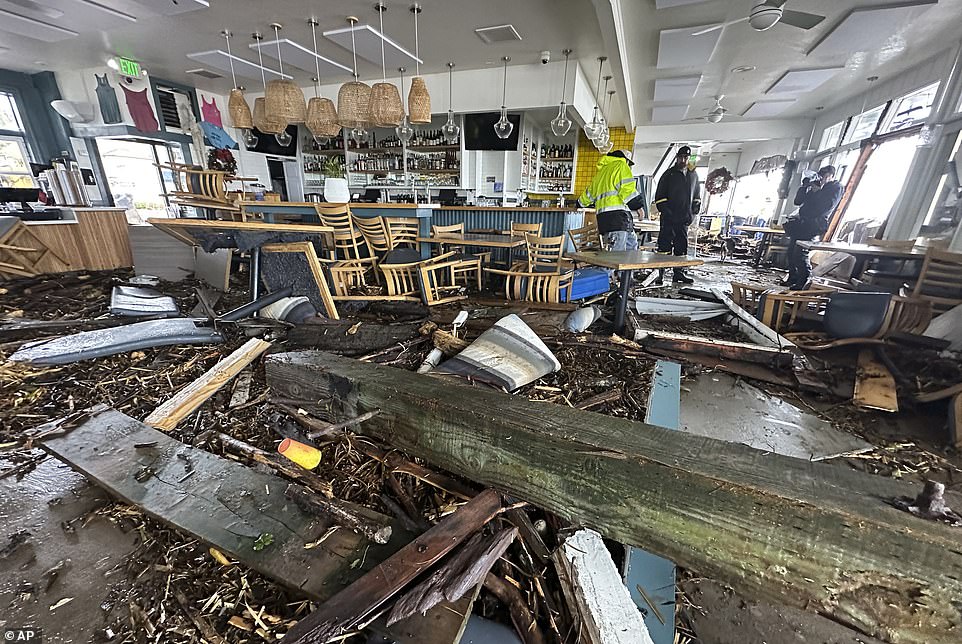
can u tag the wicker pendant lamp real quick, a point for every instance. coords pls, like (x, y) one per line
(419, 101)
(386, 108)
(237, 107)
(321, 115)
(267, 124)
(285, 100)
(354, 98)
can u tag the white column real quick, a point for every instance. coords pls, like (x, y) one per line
(906, 216)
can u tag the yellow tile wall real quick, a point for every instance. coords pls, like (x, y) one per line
(588, 158)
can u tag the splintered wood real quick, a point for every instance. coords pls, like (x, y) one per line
(191, 397)
(874, 384)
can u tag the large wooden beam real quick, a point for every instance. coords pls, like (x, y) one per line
(815, 535)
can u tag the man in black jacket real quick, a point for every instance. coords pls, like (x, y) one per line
(818, 199)
(677, 201)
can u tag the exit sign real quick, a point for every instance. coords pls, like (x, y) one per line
(129, 67)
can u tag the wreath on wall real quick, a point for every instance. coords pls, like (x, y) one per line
(718, 181)
(221, 159)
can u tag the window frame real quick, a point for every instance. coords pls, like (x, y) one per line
(885, 127)
(841, 125)
(850, 133)
(25, 150)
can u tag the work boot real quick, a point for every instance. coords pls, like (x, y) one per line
(681, 278)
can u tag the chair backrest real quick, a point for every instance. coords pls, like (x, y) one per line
(402, 230)
(544, 253)
(525, 229)
(857, 315)
(457, 229)
(347, 238)
(747, 296)
(909, 315)
(940, 281)
(585, 238)
(374, 232)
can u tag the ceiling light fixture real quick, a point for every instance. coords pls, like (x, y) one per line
(595, 127)
(268, 124)
(743, 69)
(503, 128)
(404, 131)
(386, 109)
(283, 98)
(237, 107)
(321, 117)
(419, 100)
(451, 130)
(354, 99)
(561, 123)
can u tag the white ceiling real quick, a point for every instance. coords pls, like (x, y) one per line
(152, 32)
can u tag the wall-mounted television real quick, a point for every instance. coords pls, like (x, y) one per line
(267, 144)
(479, 133)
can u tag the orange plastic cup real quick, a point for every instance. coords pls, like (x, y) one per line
(304, 455)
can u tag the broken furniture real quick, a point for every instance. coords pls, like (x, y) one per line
(22, 254)
(863, 253)
(87, 345)
(625, 262)
(137, 302)
(350, 244)
(197, 187)
(654, 488)
(940, 280)
(885, 274)
(779, 309)
(408, 277)
(767, 233)
(298, 265)
(462, 253)
(585, 238)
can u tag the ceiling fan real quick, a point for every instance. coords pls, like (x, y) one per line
(768, 14)
(715, 114)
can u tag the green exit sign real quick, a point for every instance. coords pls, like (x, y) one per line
(129, 67)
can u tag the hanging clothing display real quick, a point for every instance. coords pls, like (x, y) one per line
(107, 97)
(210, 112)
(140, 110)
(217, 136)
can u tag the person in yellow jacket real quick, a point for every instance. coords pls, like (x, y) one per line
(615, 195)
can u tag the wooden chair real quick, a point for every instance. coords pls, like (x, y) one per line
(544, 254)
(471, 263)
(585, 238)
(349, 242)
(402, 231)
(940, 280)
(520, 230)
(197, 187)
(430, 280)
(904, 315)
(440, 279)
(780, 310)
(535, 287)
(22, 254)
(375, 235)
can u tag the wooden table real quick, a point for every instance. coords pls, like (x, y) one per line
(865, 252)
(627, 261)
(484, 240)
(766, 243)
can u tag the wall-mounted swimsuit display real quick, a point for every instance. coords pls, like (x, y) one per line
(107, 97)
(140, 110)
(210, 112)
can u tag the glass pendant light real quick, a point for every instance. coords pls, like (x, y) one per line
(451, 130)
(404, 131)
(503, 128)
(594, 127)
(250, 139)
(561, 123)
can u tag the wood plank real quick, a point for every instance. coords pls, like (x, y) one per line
(756, 330)
(744, 352)
(595, 592)
(219, 501)
(188, 399)
(874, 384)
(724, 510)
(349, 607)
(306, 249)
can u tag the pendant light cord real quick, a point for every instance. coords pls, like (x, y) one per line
(354, 50)
(260, 60)
(604, 106)
(230, 58)
(598, 86)
(564, 84)
(317, 63)
(380, 16)
(450, 85)
(417, 43)
(504, 85)
(277, 41)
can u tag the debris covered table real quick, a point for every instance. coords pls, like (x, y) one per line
(627, 261)
(865, 252)
(767, 234)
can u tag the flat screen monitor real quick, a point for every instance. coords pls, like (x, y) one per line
(267, 143)
(20, 195)
(479, 132)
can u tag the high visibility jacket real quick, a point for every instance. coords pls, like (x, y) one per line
(613, 192)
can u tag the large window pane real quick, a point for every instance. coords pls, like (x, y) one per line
(14, 164)
(831, 136)
(945, 212)
(9, 116)
(863, 125)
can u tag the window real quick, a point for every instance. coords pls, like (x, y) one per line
(863, 126)
(14, 160)
(831, 136)
(911, 109)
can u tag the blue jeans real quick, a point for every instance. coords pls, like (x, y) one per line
(618, 240)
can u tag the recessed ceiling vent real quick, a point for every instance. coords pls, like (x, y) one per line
(498, 33)
(206, 73)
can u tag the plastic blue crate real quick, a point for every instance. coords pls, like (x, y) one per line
(588, 282)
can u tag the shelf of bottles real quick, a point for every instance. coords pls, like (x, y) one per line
(315, 155)
(376, 160)
(556, 168)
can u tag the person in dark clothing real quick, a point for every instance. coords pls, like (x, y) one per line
(818, 198)
(677, 200)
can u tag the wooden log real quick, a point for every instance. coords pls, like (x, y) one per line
(594, 591)
(351, 338)
(449, 344)
(524, 621)
(352, 605)
(874, 384)
(319, 506)
(191, 397)
(741, 351)
(815, 535)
